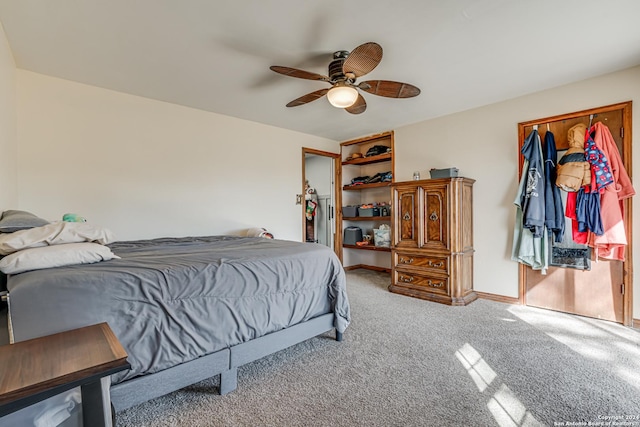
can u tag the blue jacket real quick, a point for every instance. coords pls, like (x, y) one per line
(533, 206)
(530, 242)
(554, 212)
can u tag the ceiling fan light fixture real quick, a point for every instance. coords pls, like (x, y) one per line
(341, 96)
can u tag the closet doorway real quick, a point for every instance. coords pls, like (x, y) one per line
(318, 196)
(603, 290)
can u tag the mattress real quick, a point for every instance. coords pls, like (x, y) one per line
(172, 300)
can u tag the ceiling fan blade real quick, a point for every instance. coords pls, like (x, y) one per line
(358, 107)
(305, 99)
(301, 74)
(389, 89)
(363, 59)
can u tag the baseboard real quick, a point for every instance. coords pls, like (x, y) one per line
(635, 323)
(498, 298)
(368, 267)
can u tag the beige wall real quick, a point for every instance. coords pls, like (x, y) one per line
(483, 144)
(145, 168)
(8, 187)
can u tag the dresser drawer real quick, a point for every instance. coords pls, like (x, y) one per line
(422, 282)
(430, 262)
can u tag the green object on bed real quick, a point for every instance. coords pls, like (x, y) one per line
(71, 217)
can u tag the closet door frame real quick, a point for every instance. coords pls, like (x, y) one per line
(625, 107)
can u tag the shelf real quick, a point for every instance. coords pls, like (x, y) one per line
(366, 218)
(386, 157)
(368, 248)
(370, 168)
(365, 186)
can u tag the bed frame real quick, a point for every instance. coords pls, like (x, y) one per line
(224, 363)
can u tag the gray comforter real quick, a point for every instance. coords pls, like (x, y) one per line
(172, 300)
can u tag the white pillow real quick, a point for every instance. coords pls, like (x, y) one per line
(55, 256)
(56, 233)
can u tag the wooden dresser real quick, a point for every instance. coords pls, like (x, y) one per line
(432, 243)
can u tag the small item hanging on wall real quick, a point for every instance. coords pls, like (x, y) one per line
(310, 212)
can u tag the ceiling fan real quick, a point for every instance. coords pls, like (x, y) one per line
(345, 68)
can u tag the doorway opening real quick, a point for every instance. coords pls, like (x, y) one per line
(318, 196)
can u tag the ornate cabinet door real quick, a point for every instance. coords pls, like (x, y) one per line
(406, 232)
(435, 231)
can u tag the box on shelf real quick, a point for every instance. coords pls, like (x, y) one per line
(350, 211)
(444, 173)
(375, 211)
(352, 235)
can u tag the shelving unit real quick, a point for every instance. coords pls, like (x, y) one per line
(367, 256)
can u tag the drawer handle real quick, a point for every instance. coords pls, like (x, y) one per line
(436, 264)
(435, 284)
(404, 260)
(406, 216)
(406, 279)
(433, 216)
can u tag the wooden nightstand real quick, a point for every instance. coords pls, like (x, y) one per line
(36, 369)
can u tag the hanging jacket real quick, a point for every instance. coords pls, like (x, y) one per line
(554, 214)
(530, 242)
(533, 208)
(600, 172)
(611, 245)
(573, 170)
(588, 216)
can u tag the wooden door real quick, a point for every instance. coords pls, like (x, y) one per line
(600, 292)
(407, 220)
(596, 293)
(435, 233)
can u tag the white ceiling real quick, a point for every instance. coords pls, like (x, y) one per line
(215, 55)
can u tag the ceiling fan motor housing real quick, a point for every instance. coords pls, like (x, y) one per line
(335, 67)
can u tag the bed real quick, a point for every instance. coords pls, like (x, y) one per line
(186, 309)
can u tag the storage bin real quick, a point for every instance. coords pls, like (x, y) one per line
(444, 173)
(352, 235)
(369, 211)
(61, 410)
(349, 211)
(382, 236)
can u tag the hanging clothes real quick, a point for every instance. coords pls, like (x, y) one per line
(600, 171)
(533, 207)
(587, 216)
(611, 244)
(530, 242)
(567, 253)
(573, 170)
(554, 215)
